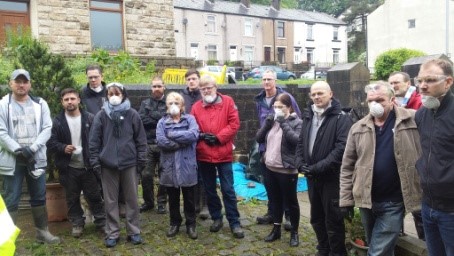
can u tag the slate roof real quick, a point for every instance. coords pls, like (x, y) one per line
(255, 10)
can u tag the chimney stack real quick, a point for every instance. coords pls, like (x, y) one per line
(276, 4)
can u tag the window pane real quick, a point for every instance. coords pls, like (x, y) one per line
(13, 6)
(248, 27)
(309, 32)
(248, 53)
(106, 30)
(211, 24)
(110, 5)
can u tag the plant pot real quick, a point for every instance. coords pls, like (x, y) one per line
(357, 249)
(57, 210)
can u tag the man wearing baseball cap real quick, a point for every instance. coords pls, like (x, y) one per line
(25, 127)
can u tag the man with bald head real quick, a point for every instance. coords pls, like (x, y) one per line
(318, 156)
(378, 172)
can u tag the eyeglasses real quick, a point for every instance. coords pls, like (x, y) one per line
(208, 88)
(157, 86)
(93, 77)
(173, 103)
(429, 80)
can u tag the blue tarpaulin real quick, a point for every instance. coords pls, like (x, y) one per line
(258, 190)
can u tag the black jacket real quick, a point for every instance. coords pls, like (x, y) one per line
(329, 144)
(151, 110)
(190, 98)
(61, 137)
(291, 129)
(436, 164)
(91, 100)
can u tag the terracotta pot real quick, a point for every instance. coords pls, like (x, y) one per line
(359, 250)
(57, 210)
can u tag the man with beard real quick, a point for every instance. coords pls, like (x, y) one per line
(435, 121)
(69, 143)
(151, 110)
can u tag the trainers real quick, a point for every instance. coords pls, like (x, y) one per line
(216, 226)
(135, 239)
(162, 209)
(265, 219)
(111, 242)
(44, 236)
(192, 233)
(77, 231)
(238, 232)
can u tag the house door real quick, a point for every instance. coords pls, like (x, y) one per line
(195, 51)
(233, 53)
(267, 54)
(12, 20)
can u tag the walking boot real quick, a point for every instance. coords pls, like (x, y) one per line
(265, 219)
(275, 233)
(294, 239)
(204, 213)
(192, 233)
(40, 218)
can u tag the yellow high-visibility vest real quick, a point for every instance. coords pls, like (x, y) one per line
(9, 231)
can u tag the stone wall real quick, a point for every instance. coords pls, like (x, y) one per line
(65, 26)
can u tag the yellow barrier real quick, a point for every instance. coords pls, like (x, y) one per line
(176, 75)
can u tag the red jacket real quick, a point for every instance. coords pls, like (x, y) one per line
(415, 101)
(222, 120)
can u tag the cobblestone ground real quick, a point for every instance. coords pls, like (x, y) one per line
(154, 227)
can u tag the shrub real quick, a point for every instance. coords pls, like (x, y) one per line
(392, 60)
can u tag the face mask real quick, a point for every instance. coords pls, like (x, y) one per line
(174, 110)
(430, 102)
(97, 89)
(376, 109)
(317, 109)
(278, 112)
(115, 100)
(209, 99)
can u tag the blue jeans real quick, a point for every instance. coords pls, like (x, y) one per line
(12, 188)
(439, 230)
(225, 173)
(382, 225)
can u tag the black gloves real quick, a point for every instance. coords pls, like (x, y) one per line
(27, 154)
(209, 139)
(269, 120)
(280, 119)
(306, 170)
(347, 212)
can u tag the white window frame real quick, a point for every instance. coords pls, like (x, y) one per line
(310, 32)
(212, 52)
(211, 24)
(248, 27)
(280, 29)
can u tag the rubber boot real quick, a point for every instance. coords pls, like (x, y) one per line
(275, 233)
(204, 213)
(13, 215)
(42, 232)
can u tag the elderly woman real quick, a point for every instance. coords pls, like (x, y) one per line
(280, 133)
(118, 150)
(177, 134)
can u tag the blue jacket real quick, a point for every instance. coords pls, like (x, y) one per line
(264, 110)
(177, 142)
(436, 164)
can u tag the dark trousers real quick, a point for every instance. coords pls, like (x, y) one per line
(326, 219)
(188, 205)
(148, 175)
(267, 183)
(74, 181)
(283, 190)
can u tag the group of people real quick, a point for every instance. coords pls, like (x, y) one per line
(392, 161)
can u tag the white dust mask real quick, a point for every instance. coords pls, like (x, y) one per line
(115, 100)
(430, 102)
(174, 110)
(278, 113)
(376, 109)
(209, 99)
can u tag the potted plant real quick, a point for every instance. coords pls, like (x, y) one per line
(356, 234)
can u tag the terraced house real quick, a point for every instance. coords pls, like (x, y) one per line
(230, 31)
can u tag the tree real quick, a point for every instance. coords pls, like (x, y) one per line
(333, 7)
(392, 60)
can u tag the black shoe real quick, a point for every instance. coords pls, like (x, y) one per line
(146, 207)
(274, 234)
(237, 232)
(162, 209)
(216, 226)
(192, 233)
(265, 219)
(109, 242)
(135, 239)
(173, 231)
(294, 239)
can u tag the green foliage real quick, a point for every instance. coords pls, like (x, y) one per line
(333, 7)
(392, 60)
(212, 62)
(354, 228)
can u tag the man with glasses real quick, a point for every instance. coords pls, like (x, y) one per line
(435, 121)
(218, 120)
(378, 172)
(94, 94)
(318, 156)
(264, 105)
(151, 110)
(191, 94)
